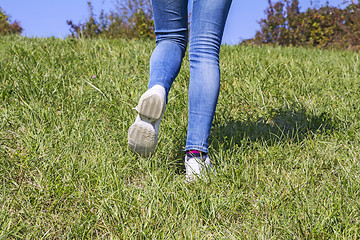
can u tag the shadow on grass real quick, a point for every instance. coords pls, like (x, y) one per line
(292, 124)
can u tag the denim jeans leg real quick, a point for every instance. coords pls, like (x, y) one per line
(206, 30)
(171, 29)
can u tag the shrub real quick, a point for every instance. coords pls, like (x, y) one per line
(324, 27)
(8, 27)
(131, 20)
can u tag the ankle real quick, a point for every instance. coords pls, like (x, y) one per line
(195, 153)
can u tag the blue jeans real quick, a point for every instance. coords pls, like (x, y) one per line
(206, 29)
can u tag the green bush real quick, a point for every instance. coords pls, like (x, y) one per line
(8, 27)
(324, 27)
(130, 21)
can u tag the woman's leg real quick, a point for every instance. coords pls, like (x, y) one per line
(171, 29)
(171, 37)
(206, 30)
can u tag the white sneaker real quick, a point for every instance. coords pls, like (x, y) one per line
(197, 165)
(143, 133)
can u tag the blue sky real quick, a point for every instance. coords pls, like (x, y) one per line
(46, 18)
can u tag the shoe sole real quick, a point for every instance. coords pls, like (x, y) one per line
(151, 107)
(142, 137)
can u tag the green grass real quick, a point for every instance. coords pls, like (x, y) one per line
(285, 142)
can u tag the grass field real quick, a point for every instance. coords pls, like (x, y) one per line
(285, 142)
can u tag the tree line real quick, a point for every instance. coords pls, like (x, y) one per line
(130, 19)
(284, 24)
(326, 27)
(7, 26)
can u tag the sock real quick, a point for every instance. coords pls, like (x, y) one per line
(195, 153)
